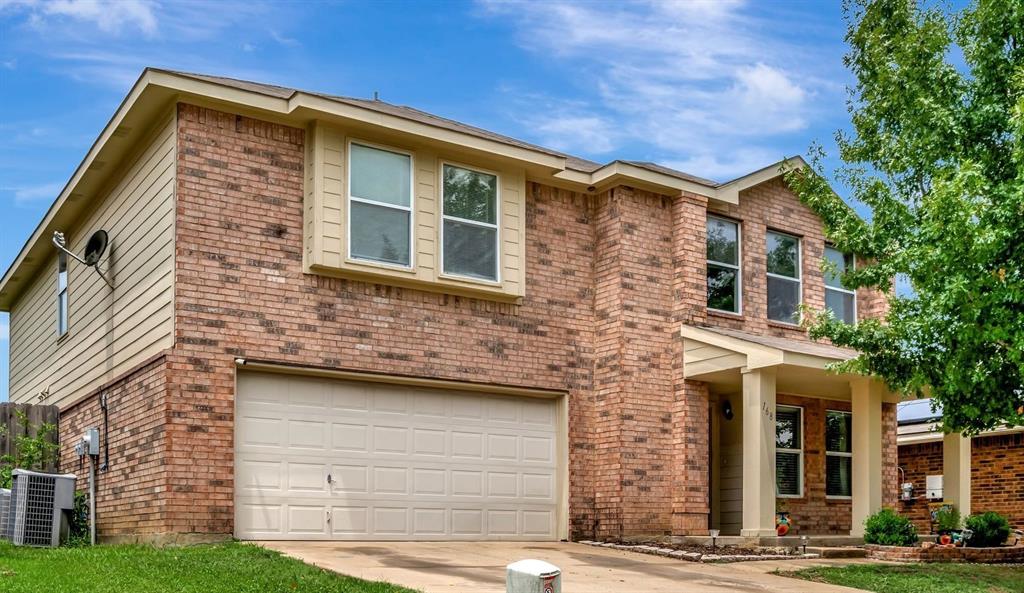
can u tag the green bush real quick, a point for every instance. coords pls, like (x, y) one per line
(888, 528)
(990, 529)
(947, 518)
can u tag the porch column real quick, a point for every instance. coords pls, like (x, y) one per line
(867, 451)
(758, 452)
(956, 471)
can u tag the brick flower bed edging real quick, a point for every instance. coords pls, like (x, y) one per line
(1003, 555)
(696, 556)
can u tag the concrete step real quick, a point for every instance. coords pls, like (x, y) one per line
(843, 552)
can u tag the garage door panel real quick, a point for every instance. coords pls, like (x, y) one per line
(404, 462)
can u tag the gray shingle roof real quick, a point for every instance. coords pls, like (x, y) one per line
(413, 114)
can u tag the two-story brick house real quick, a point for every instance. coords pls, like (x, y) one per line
(341, 318)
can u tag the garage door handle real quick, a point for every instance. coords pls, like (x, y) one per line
(329, 479)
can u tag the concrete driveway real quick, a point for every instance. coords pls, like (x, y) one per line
(435, 567)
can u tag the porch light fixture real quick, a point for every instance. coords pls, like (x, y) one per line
(727, 410)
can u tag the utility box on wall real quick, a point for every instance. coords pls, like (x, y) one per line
(933, 487)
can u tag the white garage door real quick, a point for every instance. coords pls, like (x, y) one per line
(328, 459)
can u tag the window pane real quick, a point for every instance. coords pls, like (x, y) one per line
(842, 263)
(722, 288)
(837, 432)
(470, 250)
(470, 194)
(838, 471)
(783, 299)
(787, 473)
(62, 313)
(62, 271)
(380, 233)
(782, 255)
(841, 305)
(380, 175)
(787, 428)
(722, 241)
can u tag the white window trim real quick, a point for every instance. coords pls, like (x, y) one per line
(853, 262)
(799, 452)
(738, 266)
(410, 208)
(496, 226)
(837, 454)
(62, 296)
(799, 275)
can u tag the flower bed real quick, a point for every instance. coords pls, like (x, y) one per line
(933, 553)
(694, 553)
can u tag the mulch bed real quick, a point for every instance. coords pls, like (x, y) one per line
(701, 553)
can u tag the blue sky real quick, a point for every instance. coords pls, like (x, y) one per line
(715, 88)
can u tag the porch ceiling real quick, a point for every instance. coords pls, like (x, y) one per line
(718, 355)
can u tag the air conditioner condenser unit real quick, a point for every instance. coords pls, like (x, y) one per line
(40, 507)
(5, 510)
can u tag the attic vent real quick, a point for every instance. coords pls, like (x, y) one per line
(121, 132)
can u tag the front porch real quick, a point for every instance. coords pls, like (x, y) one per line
(765, 390)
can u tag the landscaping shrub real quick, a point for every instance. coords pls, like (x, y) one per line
(990, 529)
(30, 452)
(947, 518)
(888, 528)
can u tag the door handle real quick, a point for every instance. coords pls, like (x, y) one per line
(329, 479)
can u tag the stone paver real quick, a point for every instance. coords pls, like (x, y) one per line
(435, 567)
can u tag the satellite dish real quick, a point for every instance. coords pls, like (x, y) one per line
(95, 248)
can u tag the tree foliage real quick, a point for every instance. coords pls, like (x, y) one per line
(936, 152)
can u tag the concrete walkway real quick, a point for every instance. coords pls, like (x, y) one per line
(436, 567)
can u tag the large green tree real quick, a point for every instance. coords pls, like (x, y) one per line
(936, 152)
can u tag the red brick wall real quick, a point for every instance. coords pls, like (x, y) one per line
(131, 499)
(997, 477)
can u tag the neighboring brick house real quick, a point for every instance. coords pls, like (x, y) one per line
(341, 318)
(996, 458)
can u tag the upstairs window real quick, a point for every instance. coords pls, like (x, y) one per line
(784, 288)
(723, 255)
(838, 453)
(62, 294)
(379, 205)
(839, 299)
(789, 451)
(469, 230)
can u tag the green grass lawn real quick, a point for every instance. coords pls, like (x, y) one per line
(220, 568)
(919, 578)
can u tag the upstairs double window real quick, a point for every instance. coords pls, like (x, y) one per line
(381, 215)
(723, 254)
(784, 278)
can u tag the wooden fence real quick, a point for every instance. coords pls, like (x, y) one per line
(37, 416)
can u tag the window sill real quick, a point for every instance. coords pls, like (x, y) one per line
(376, 265)
(790, 496)
(784, 325)
(726, 315)
(412, 279)
(837, 498)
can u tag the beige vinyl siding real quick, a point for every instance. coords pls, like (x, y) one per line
(109, 330)
(326, 226)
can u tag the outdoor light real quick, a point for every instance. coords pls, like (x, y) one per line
(714, 537)
(727, 410)
(803, 540)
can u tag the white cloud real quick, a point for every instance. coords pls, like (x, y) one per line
(34, 193)
(702, 83)
(109, 16)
